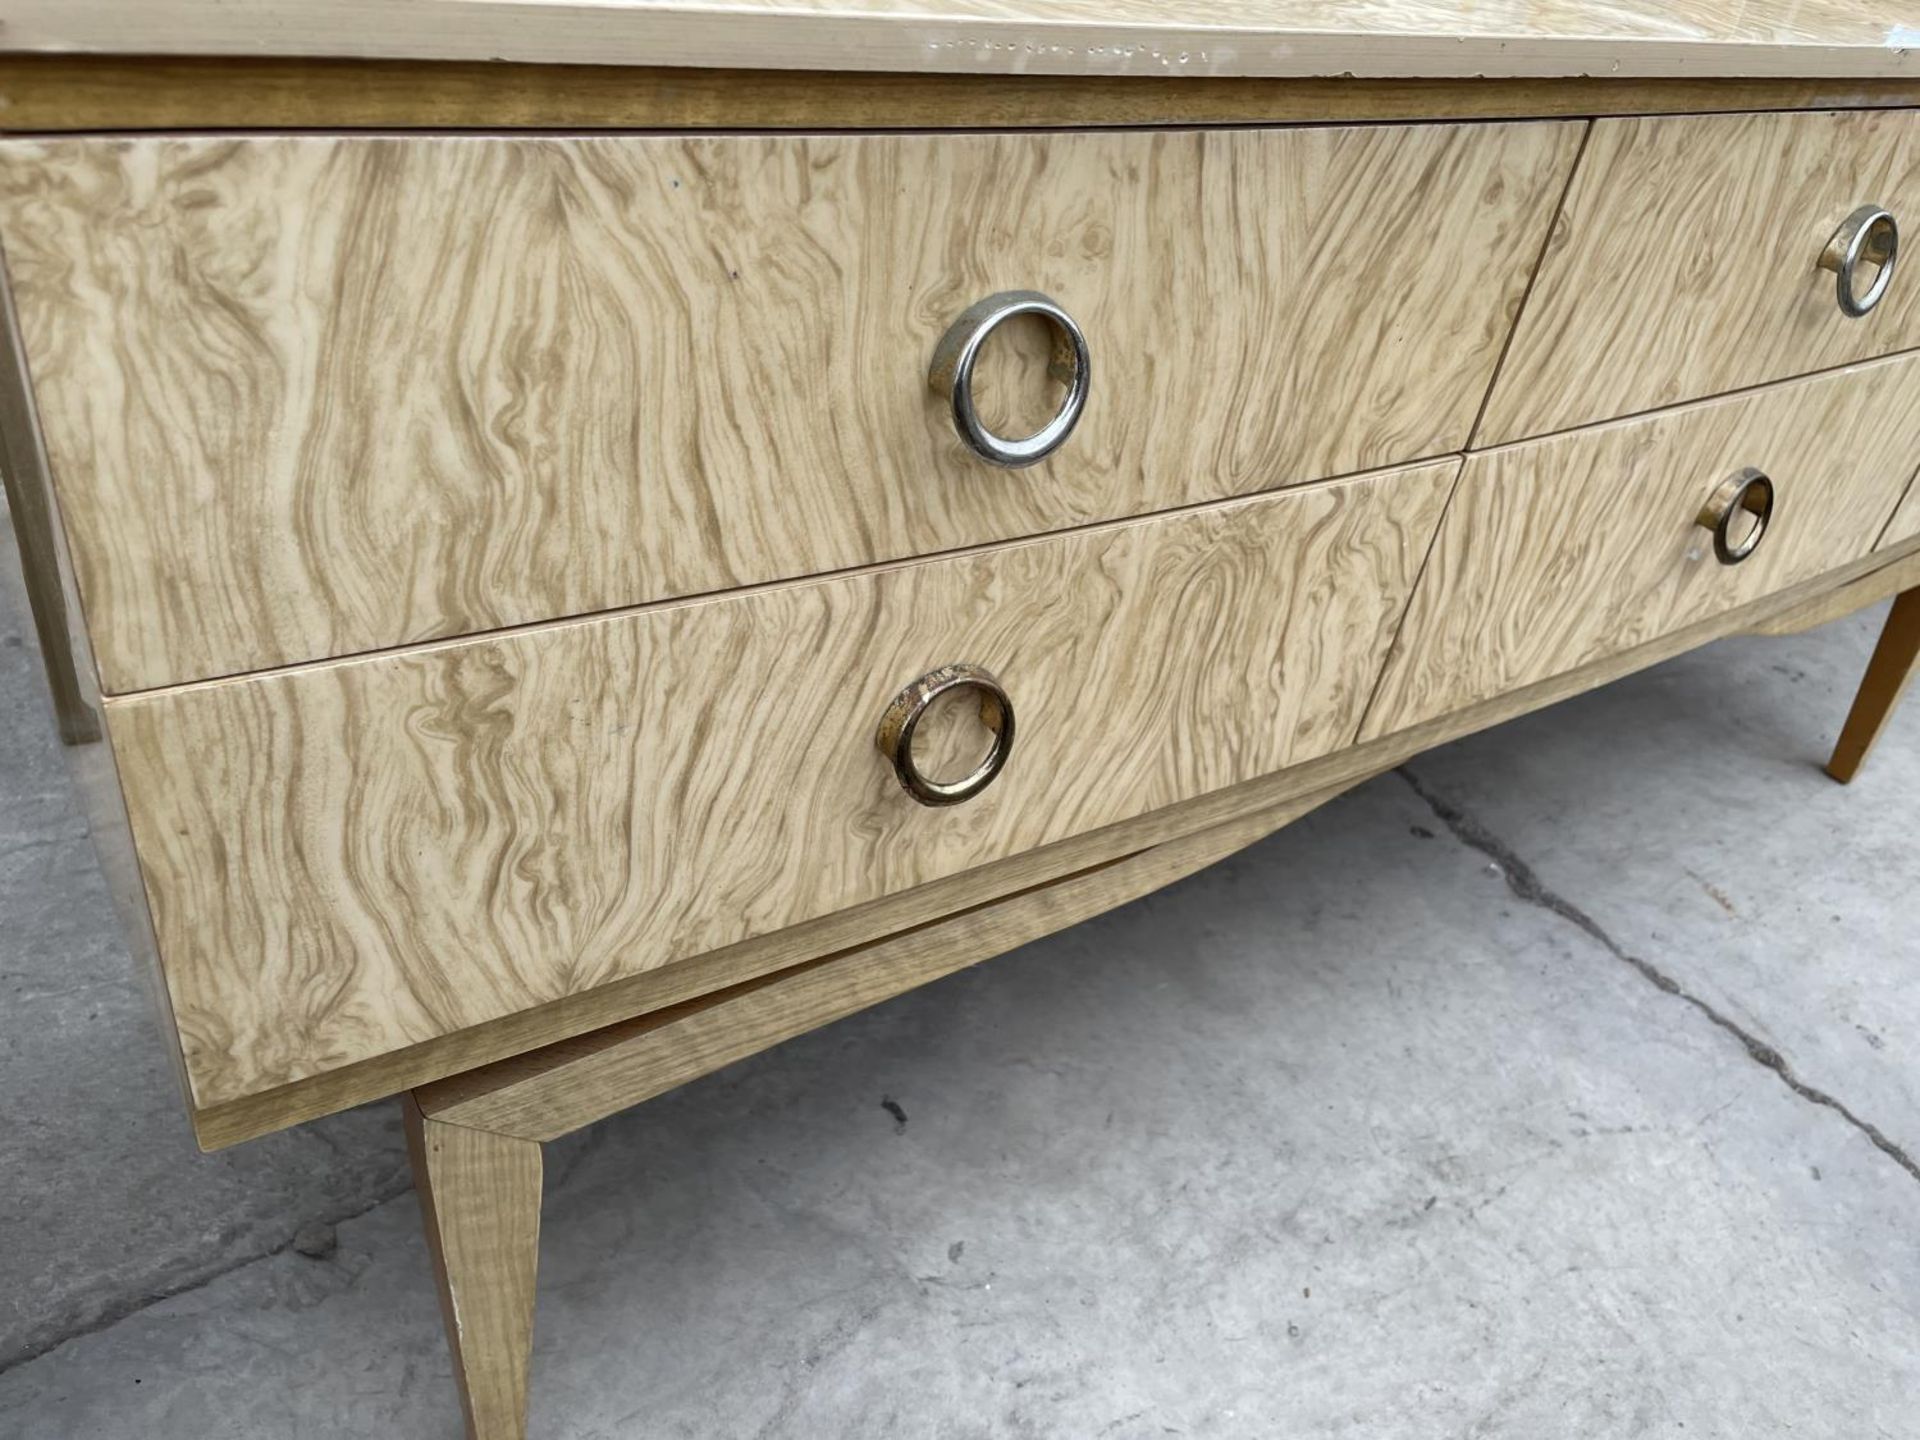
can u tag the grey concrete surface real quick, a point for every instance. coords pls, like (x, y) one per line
(1563, 1085)
(104, 1202)
(1687, 816)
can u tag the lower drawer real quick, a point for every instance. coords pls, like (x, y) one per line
(1905, 524)
(1559, 552)
(347, 858)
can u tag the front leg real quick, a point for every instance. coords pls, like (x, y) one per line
(1893, 664)
(480, 1197)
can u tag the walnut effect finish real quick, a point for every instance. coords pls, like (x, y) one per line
(368, 854)
(298, 405)
(1558, 552)
(1684, 265)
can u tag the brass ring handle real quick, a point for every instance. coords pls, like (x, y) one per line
(1751, 493)
(903, 718)
(1871, 234)
(951, 376)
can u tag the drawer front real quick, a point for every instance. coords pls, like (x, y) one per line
(1686, 264)
(1558, 552)
(308, 396)
(1906, 520)
(370, 853)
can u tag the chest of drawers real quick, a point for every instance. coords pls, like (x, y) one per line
(582, 572)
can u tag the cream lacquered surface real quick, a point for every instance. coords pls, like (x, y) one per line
(1072, 37)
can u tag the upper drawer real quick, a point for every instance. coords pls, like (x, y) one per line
(1559, 552)
(310, 396)
(370, 853)
(1686, 264)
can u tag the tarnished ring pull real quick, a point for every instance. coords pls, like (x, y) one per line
(1869, 234)
(951, 376)
(903, 718)
(1748, 493)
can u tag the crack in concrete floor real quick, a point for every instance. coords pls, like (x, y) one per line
(194, 1279)
(1528, 887)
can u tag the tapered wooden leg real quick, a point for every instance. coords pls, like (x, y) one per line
(23, 476)
(1894, 660)
(480, 1197)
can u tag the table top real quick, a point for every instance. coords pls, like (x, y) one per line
(1376, 38)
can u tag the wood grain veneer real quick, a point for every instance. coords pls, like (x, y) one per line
(1848, 595)
(1557, 552)
(1683, 265)
(548, 1093)
(1905, 524)
(1896, 660)
(1112, 37)
(368, 854)
(50, 94)
(480, 1197)
(299, 404)
(1815, 602)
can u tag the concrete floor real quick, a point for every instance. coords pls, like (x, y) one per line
(1564, 1084)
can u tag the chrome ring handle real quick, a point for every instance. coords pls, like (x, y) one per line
(951, 376)
(910, 705)
(1751, 493)
(1869, 234)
